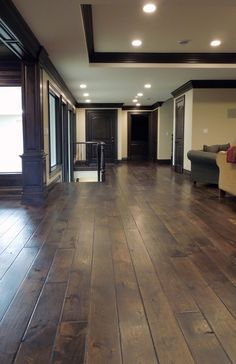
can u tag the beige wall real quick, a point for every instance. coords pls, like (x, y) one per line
(210, 118)
(165, 130)
(49, 178)
(211, 122)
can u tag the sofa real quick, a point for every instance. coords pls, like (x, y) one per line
(227, 174)
(204, 168)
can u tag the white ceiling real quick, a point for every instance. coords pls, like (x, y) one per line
(58, 26)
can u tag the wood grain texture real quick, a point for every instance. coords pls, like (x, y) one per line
(138, 269)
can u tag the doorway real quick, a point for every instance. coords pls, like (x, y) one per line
(142, 136)
(101, 125)
(179, 134)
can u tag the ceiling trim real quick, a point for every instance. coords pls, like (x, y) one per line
(203, 84)
(145, 57)
(141, 108)
(19, 38)
(99, 105)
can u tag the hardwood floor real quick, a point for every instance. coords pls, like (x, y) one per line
(140, 269)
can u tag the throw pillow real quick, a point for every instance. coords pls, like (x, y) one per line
(211, 148)
(224, 147)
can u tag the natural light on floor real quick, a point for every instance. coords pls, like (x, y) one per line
(11, 134)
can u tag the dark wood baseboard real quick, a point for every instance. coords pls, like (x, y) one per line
(187, 172)
(11, 179)
(164, 161)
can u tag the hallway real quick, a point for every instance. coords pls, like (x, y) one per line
(140, 269)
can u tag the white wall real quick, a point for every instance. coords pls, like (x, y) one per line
(165, 130)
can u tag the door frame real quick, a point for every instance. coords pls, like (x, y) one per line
(180, 100)
(115, 136)
(152, 134)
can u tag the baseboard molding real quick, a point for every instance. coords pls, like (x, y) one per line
(11, 179)
(52, 184)
(164, 161)
(188, 173)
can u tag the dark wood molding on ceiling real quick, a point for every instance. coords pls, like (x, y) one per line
(157, 104)
(15, 33)
(99, 105)
(145, 108)
(203, 84)
(88, 27)
(126, 57)
(137, 108)
(18, 37)
(139, 57)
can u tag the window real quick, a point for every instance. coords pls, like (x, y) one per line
(11, 131)
(54, 131)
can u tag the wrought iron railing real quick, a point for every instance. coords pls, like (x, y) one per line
(91, 155)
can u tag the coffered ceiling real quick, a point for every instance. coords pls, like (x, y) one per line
(93, 45)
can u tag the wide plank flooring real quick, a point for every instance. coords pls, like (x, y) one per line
(140, 269)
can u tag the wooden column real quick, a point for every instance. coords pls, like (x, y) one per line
(33, 158)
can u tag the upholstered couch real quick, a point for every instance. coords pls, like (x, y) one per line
(227, 174)
(203, 167)
(203, 163)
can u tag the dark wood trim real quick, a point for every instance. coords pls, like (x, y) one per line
(145, 57)
(125, 57)
(33, 157)
(56, 96)
(164, 161)
(203, 84)
(150, 131)
(52, 184)
(18, 37)
(10, 179)
(157, 104)
(179, 141)
(15, 32)
(186, 172)
(10, 72)
(55, 170)
(99, 105)
(88, 27)
(47, 64)
(137, 108)
(143, 108)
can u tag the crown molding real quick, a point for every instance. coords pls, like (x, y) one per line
(145, 57)
(203, 84)
(99, 105)
(18, 37)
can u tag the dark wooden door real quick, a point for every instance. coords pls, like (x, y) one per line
(179, 134)
(101, 125)
(139, 136)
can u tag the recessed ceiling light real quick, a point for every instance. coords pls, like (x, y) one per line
(138, 104)
(149, 8)
(135, 100)
(87, 100)
(136, 43)
(83, 85)
(140, 94)
(215, 43)
(147, 85)
(86, 94)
